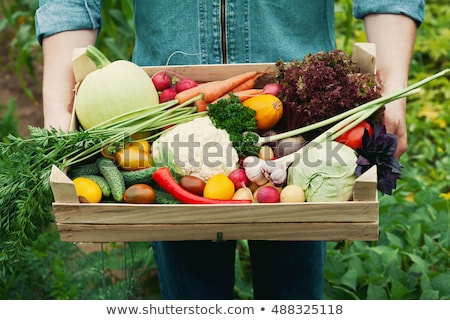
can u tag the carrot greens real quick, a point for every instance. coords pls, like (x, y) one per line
(25, 193)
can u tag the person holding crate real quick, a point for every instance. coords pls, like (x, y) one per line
(238, 31)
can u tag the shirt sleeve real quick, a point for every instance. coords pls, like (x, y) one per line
(411, 8)
(66, 15)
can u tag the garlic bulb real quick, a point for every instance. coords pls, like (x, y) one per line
(275, 171)
(252, 166)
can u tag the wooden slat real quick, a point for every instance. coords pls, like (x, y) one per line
(349, 211)
(364, 54)
(262, 231)
(212, 72)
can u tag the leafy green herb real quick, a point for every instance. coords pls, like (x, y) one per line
(231, 115)
(379, 150)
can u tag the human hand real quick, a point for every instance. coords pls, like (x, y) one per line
(395, 122)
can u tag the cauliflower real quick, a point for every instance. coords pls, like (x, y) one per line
(195, 148)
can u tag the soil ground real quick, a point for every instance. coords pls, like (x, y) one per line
(28, 111)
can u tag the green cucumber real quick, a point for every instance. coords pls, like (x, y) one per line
(112, 175)
(83, 169)
(163, 197)
(101, 181)
(138, 176)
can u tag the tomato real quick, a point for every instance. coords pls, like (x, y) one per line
(139, 194)
(133, 158)
(193, 184)
(88, 191)
(353, 137)
(144, 145)
(219, 187)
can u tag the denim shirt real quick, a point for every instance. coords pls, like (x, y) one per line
(219, 31)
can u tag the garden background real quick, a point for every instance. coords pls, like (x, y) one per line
(411, 259)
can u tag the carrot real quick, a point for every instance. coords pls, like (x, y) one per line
(215, 89)
(201, 105)
(249, 84)
(242, 95)
(185, 95)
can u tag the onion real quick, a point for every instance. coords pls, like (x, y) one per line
(272, 88)
(243, 193)
(288, 145)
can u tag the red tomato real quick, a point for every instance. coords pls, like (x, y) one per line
(139, 193)
(353, 137)
(192, 184)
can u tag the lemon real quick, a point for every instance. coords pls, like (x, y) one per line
(87, 190)
(219, 187)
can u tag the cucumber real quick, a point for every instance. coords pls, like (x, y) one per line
(162, 197)
(101, 181)
(112, 175)
(83, 169)
(138, 176)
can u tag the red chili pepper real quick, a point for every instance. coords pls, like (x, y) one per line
(165, 180)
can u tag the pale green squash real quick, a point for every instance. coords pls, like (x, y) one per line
(111, 90)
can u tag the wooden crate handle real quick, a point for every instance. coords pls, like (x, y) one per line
(365, 188)
(62, 187)
(364, 55)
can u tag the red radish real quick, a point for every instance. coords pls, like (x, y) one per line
(184, 84)
(268, 194)
(239, 178)
(161, 80)
(167, 95)
(272, 88)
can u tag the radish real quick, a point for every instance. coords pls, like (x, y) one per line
(161, 80)
(167, 95)
(268, 194)
(272, 88)
(184, 84)
(239, 178)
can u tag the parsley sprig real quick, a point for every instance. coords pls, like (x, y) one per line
(231, 115)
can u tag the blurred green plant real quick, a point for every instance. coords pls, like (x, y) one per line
(411, 258)
(8, 119)
(17, 29)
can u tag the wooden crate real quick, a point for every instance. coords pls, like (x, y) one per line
(108, 222)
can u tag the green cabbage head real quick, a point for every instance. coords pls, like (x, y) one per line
(326, 172)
